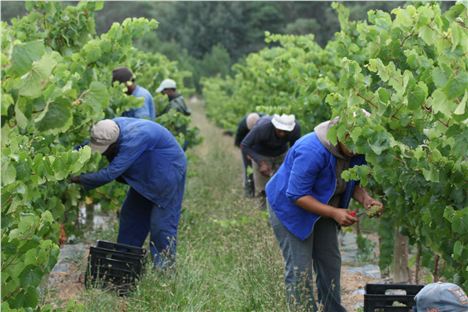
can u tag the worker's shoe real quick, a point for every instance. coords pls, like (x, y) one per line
(262, 200)
(249, 189)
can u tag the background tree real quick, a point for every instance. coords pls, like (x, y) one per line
(195, 33)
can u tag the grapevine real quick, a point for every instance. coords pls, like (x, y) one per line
(56, 74)
(409, 69)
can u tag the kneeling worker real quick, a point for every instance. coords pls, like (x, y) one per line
(147, 157)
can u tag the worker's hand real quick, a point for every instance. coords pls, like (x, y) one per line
(374, 208)
(74, 179)
(344, 217)
(265, 168)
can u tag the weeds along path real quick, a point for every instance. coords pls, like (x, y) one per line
(227, 257)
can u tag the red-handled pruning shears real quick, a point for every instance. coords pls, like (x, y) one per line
(356, 214)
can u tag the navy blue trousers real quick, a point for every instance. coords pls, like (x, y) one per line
(139, 216)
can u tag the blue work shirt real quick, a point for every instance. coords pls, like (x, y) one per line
(309, 169)
(147, 110)
(149, 159)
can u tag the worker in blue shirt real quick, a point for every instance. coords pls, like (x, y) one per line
(147, 157)
(305, 199)
(125, 76)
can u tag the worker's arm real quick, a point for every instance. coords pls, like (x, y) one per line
(129, 152)
(340, 215)
(360, 194)
(306, 169)
(251, 139)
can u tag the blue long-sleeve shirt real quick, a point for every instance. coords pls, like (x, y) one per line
(309, 169)
(149, 159)
(147, 110)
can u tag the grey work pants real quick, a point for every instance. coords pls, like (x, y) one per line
(320, 251)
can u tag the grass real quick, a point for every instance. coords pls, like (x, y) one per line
(227, 257)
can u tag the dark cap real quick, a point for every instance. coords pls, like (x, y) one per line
(122, 75)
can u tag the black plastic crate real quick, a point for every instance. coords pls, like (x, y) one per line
(114, 266)
(390, 297)
(121, 247)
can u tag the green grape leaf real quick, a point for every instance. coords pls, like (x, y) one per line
(440, 103)
(428, 35)
(60, 167)
(97, 96)
(439, 77)
(418, 153)
(7, 100)
(379, 144)
(20, 117)
(92, 51)
(376, 65)
(459, 36)
(23, 56)
(30, 296)
(455, 11)
(8, 173)
(416, 97)
(403, 18)
(431, 174)
(456, 86)
(384, 95)
(84, 156)
(36, 79)
(460, 222)
(457, 249)
(56, 116)
(460, 110)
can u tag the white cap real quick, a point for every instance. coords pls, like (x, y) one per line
(103, 134)
(166, 84)
(284, 122)
(251, 120)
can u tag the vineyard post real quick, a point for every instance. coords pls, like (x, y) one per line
(400, 258)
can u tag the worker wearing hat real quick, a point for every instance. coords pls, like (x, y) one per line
(266, 144)
(306, 198)
(125, 76)
(147, 157)
(176, 101)
(243, 128)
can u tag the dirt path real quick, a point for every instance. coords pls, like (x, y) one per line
(208, 130)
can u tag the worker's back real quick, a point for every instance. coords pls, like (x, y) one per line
(158, 161)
